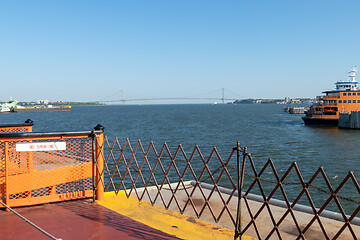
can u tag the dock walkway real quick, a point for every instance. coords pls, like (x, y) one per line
(75, 220)
(287, 228)
(117, 217)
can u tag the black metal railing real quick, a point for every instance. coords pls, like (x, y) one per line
(192, 182)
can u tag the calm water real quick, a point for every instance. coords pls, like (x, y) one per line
(266, 130)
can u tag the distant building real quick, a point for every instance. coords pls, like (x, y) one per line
(296, 101)
(287, 99)
(46, 102)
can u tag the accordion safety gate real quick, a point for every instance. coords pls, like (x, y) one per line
(38, 168)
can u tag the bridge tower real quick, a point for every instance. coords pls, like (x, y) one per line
(223, 96)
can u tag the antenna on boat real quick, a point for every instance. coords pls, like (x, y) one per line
(352, 74)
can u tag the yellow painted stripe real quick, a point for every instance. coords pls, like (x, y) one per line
(168, 221)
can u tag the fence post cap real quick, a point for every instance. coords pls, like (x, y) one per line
(99, 127)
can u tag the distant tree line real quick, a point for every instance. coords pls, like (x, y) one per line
(257, 101)
(271, 101)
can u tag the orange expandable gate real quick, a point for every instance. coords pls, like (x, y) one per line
(40, 168)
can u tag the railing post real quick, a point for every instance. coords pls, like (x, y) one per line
(30, 122)
(240, 175)
(6, 173)
(99, 168)
(30, 154)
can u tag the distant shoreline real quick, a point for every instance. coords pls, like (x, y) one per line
(61, 103)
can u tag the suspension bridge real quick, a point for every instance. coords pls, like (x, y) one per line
(220, 95)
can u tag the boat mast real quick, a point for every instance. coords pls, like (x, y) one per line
(352, 74)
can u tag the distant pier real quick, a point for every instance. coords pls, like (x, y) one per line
(295, 110)
(349, 120)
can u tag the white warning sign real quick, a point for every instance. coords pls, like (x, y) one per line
(43, 146)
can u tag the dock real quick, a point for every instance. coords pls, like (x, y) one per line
(349, 120)
(119, 217)
(114, 218)
(295, 110)
(287, 228)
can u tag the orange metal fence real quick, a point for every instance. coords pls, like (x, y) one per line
(39, 168)
(17, 128)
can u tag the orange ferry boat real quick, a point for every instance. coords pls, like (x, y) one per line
(345, 98)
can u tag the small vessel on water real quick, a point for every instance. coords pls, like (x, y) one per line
(12, 106)
(345, 98)
(41, 108)
(8, 106)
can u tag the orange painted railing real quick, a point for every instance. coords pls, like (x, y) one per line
(17, 128)
(40, 168)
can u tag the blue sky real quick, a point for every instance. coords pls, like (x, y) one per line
(88, 50)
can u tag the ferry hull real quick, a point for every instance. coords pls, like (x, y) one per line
(320, 121)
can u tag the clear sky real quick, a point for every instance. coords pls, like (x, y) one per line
(88, 50)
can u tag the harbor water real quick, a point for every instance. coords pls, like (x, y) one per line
(265, 129)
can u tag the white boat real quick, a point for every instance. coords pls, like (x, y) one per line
(8, 107)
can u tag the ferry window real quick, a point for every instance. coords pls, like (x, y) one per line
(358, 101)
(349, 94)
(344, 94)
(358, 93)
(340, 101)
(344, 101)
(354, 93)
(354, 101)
